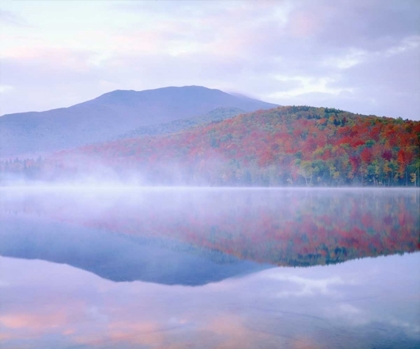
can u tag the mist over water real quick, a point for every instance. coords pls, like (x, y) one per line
(277, 226)
(125, 266)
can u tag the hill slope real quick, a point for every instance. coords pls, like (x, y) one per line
(110, 115)
(215, 115)
(281, 146)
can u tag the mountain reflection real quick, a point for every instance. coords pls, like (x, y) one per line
(196, 236)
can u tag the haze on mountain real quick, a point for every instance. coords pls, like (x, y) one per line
(111, 115)
(215, 115)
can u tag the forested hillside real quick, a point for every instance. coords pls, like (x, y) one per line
(302, 146)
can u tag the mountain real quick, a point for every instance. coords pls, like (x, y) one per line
(215, 115)
(111, 115)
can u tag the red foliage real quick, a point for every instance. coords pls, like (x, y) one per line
(366, 155)
(248, 145)
(387, 155)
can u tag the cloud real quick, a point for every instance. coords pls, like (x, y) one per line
(349, 314)
(308, 287)
(5, 88)
(370, 25)
(357, 56)
(10, 18)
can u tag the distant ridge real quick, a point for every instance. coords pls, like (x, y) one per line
(215, 115)
(110, 115)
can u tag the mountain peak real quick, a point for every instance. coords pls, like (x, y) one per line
(111, 114)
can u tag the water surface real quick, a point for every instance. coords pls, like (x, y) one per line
(209, 268)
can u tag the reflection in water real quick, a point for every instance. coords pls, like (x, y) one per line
(228, 243)
(117, 257)
(47, 305)
(280, 227)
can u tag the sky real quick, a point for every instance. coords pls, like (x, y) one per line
(361, 56)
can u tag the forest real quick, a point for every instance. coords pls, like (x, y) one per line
(284, 146)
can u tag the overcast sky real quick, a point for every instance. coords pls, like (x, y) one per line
(361, 56)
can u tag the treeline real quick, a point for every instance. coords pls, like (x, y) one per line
(285, 146)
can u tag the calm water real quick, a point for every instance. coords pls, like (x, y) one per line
(209, 268)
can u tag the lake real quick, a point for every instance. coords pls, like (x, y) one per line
(129, 267)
